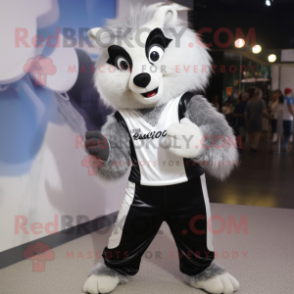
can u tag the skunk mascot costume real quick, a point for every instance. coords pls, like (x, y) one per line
(150, 64)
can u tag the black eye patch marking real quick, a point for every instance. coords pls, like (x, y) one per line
(156, 37)
(115, 52)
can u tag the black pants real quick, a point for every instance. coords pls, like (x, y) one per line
(287, 125)
(183, 206)
(274, 125)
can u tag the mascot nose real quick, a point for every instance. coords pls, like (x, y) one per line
(142, 80)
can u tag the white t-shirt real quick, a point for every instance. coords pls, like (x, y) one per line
(158, 166)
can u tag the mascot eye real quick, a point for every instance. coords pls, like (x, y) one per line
(155, 54)
(122, 64)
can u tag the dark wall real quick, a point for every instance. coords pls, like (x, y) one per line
(216, 80)
(273, 25)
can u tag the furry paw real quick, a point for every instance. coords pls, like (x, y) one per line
(100, 284)
(103, 280)
(96, 144)
(222, 283)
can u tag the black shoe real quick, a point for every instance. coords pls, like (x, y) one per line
(253, 151)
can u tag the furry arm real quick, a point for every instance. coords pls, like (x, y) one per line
(219, 154)
(118, 160)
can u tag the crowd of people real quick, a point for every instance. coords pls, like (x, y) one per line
(246, 116)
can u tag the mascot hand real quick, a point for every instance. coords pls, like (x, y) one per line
(185, 139)
(97, 144)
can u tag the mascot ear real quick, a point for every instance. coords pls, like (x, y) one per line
(164, 15)
(93, 33)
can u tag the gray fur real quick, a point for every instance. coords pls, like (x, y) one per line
(101, 269)
(219, 162)
(208, 273)
(152, 115)
(119, 157)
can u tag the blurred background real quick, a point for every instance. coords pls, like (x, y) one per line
(48, 101)
(251, 44)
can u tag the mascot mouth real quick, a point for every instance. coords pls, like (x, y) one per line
(150, 94)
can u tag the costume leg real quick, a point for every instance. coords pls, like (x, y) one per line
(188, 212)
(138, 221)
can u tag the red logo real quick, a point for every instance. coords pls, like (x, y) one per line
(40, 67)
(92, 163)
(39, 253)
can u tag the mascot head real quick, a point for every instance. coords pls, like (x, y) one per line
(148, 58)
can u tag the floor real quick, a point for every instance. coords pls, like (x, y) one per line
(265, 179)
(261, 259)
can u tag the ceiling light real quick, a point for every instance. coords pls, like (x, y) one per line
(272, 58)
(268, 3)
(239, 43)
(256, 49)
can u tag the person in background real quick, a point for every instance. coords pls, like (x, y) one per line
(288, 114)
(227, 108)
(239, 114)
(254, 111)
(215, 102)
(275, 107)
(227, 111)
(250, 91)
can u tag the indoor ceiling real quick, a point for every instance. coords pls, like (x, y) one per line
(271, 27)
